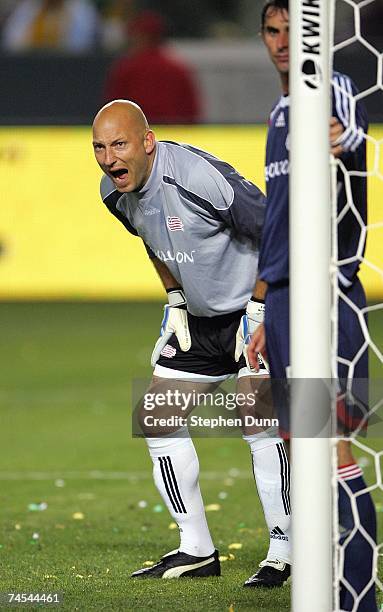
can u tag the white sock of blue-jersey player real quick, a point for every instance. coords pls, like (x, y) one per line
(176, 473)
(272, 477)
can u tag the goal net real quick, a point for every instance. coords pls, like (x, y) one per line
(356, 50)
(337, 47)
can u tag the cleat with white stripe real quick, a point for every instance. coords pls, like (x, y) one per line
(177, 564)
(273, 573)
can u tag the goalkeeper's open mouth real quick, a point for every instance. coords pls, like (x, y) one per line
(119, 176)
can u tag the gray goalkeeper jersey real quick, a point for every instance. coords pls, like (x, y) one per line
(200, 217)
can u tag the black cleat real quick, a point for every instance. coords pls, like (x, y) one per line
(273, 573)
(178, 564)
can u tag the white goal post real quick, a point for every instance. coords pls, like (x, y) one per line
(310, 303)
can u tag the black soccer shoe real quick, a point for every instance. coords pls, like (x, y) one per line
(272, 574)
(180, 565)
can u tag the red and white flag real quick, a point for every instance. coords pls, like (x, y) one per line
(175, 224)
(168, 351)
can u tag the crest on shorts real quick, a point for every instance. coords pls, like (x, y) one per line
(174, 224)
(168, 351)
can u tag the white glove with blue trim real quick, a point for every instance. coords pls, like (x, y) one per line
(175, 321)
(254, 316)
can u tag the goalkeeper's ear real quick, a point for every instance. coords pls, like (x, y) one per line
(149, 141)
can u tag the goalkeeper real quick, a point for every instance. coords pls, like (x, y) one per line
(200, 221)
(348, 128)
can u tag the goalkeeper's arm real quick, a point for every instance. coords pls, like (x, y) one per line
(257, 345)
(167, 278)
(251, 340)
(175, 320)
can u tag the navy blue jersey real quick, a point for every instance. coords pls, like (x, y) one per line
(352, 196)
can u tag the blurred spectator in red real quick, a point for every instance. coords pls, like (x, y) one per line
(152, 76)
(69, 25)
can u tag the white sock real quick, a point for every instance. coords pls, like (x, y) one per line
(272, 477)
(176, 471)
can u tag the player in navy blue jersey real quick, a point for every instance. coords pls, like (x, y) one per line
(347, 133)
(201, 222)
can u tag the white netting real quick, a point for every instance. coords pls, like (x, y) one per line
(358, 43)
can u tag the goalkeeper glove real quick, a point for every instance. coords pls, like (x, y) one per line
(175, 321)
(250, 321)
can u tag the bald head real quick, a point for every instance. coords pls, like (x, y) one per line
(124, 144)
(122, 111)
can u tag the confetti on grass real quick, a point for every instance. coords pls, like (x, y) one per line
(37, 507)
(229, 557)
(212, 507)
(78, 516)
(364, 462)
(148, 563)
(173, 526)
(158, 508)
(235, 546)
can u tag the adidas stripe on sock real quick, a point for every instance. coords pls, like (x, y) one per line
(272, 476)
(176, 472)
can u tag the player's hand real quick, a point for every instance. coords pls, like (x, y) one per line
(256, 349)
(336, 132)
(250, 323)
(175, 321)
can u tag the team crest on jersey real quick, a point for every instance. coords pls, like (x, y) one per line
(174, 224)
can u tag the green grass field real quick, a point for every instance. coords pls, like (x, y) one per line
(65, 441)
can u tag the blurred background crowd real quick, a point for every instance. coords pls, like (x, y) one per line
(184, 61)
(81, 25)
(84, 25)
